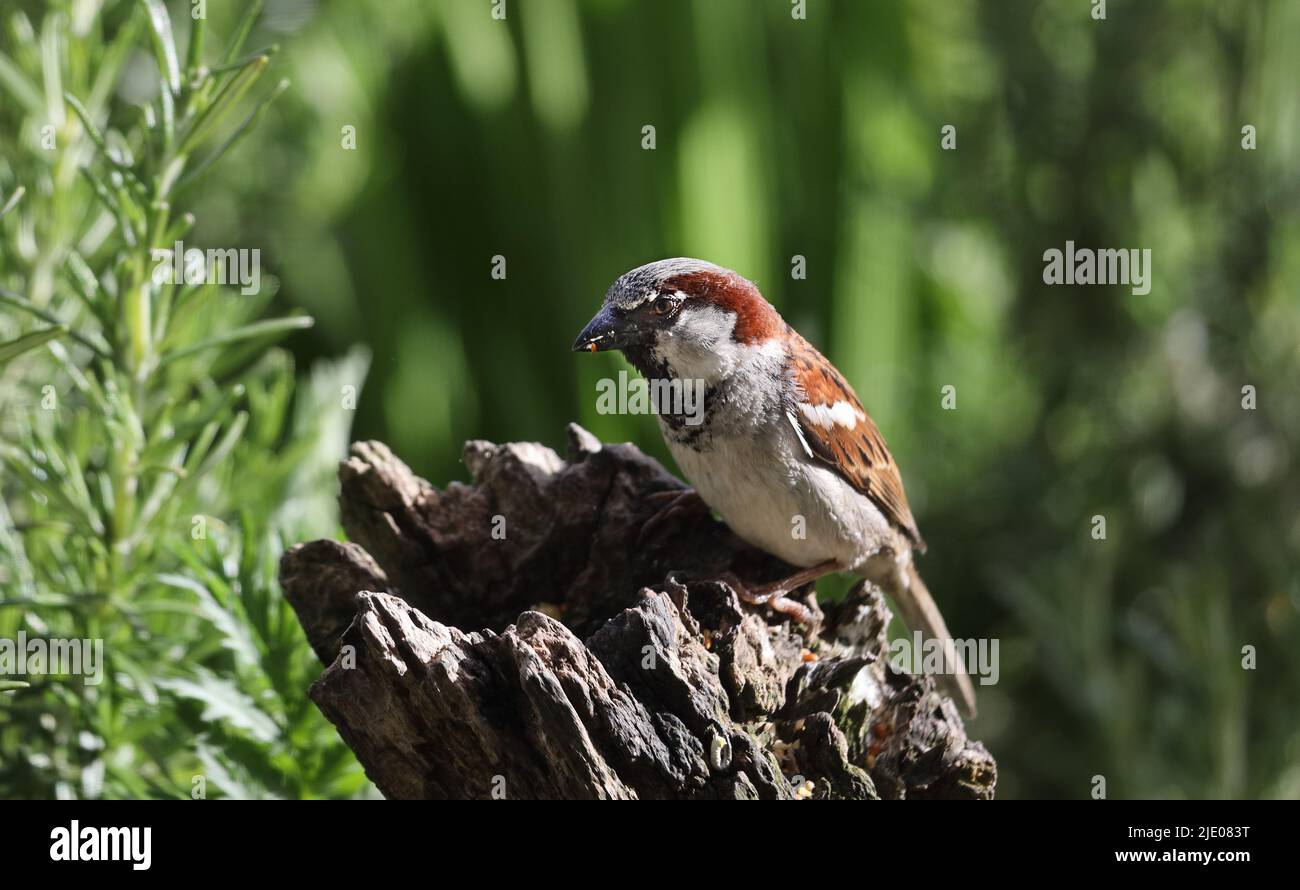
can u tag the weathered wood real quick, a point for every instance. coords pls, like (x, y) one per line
(534, 635)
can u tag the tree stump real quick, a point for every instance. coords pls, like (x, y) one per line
(534, 635)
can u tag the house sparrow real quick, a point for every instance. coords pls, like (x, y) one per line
(783, 445)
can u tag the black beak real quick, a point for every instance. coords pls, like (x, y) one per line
(608, 330)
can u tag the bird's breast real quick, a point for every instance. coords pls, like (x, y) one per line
(773, 497)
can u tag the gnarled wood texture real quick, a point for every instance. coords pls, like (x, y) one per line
(534, 635)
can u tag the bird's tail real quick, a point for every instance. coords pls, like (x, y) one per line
(920, 613)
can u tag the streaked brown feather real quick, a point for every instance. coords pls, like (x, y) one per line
(859, 454)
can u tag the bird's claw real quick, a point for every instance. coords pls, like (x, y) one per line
(774, 596)
(677, 503)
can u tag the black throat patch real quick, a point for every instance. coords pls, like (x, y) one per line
(679, 428)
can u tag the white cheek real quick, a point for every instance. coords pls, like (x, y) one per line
(705, 324)
(699, 344)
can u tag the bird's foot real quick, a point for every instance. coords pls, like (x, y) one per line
(674, 504)
(774, 596)
(778, 601)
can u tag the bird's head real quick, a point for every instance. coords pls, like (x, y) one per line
(689, 316)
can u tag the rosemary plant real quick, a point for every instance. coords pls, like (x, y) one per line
(153, 450)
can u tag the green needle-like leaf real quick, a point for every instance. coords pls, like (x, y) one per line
(225, 100)
(13, 201)
(194, 55)
(93, 132)
(19, 85)
(17, 301)
(28, 342)
(234, 139)
(160, 25)
(273, 327)
(241, 33)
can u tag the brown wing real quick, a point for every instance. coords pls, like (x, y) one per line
(834, 427)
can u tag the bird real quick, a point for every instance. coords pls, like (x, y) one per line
(782, 448)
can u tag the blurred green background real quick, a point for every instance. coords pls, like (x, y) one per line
(820, 137)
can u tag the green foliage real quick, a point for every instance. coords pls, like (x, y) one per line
(775, 137)
(155, 454)
(821, 137)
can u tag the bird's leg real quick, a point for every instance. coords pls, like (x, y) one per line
(768, 592)
(674, 504)
(774, 594)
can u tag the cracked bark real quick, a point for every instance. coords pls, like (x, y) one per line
(524, 636)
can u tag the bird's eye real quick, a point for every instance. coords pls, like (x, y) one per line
(663, 306)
